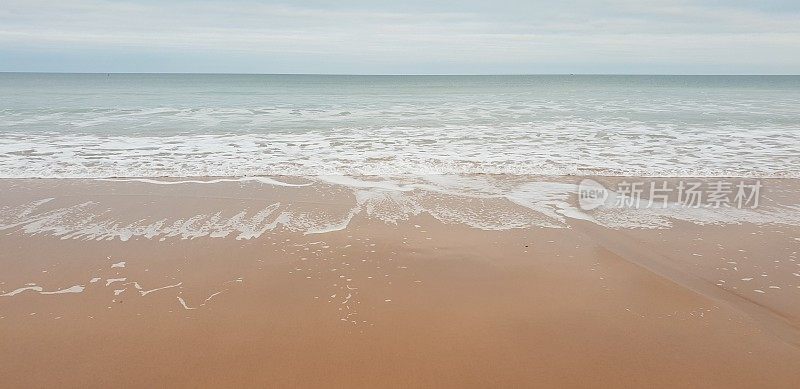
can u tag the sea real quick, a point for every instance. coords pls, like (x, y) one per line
(219, 125)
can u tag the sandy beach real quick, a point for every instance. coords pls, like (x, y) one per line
(286, 282)
(383, 194)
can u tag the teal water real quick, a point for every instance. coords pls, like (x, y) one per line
(147, 125)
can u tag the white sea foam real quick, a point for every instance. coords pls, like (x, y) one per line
(71, 289)
(186, 306)
(483, 202)
(146, 292)
(40, 290)
(263, 180)
(91, 221)
(23, 289)
(113, 280)
(613, 147)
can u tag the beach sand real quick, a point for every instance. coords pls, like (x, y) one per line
(123, 284)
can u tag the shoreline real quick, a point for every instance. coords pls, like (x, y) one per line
(789, 175)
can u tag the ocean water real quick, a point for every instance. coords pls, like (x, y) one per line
(167, 125)
(390, 147)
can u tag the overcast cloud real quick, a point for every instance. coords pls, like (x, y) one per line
(678, 37)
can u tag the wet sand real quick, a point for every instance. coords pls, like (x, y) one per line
(417, 303)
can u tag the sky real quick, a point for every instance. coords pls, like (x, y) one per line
(402, 37)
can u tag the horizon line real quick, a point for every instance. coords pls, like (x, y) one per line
(405, 74)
